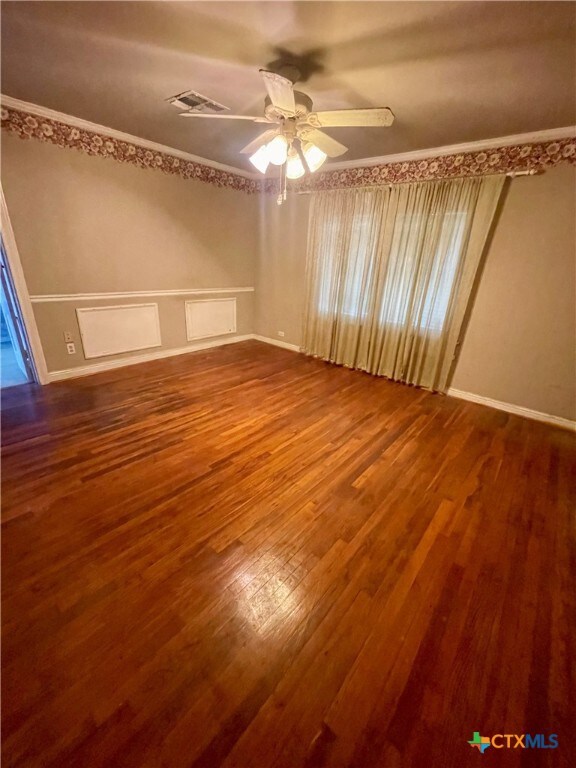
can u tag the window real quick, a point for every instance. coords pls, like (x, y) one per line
(348, 285)
(350, 279)
(423, 299)
(390, 272)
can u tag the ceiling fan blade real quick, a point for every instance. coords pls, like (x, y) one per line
(226, 117)
(382, 117)
(326, 143)
(258, 142)
(281, 92)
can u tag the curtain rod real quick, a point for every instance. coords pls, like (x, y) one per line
(510, 175)
(527, 172)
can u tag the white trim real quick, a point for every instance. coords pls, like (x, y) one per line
(44, 298)
(551, 134)
(276, 343)
(536, 137)
(121, 362)
(108, 365)
(21, 289)
(518, 410)
(87, 125)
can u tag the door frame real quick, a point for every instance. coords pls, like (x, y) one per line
(21, 291)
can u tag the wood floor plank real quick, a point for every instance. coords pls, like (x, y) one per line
(244, 557)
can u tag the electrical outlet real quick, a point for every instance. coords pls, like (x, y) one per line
(280, 333)
(68, 336)
(71, 347)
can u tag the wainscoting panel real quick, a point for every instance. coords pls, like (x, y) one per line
(112, 330)
(210, 317)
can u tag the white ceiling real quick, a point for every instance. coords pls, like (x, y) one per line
(452, 72)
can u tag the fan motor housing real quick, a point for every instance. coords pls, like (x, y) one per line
(303, 106)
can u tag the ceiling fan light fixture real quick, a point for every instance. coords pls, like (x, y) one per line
(294, 166)
(261, 159)
(278, 150)
(314, 156)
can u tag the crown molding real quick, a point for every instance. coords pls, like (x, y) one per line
(520, 152)
(510, 159)
(86, 125)
(536, 137)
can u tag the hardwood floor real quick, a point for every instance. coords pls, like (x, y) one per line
(244, 557)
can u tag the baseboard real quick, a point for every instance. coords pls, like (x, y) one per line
(517, 410)
(277, 343)
(121, 362)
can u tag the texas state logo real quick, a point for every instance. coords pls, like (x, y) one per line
(481, 742)
(513, 741)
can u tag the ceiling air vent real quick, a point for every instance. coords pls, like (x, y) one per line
(195, 102)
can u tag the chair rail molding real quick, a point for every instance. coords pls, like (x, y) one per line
(57, 297)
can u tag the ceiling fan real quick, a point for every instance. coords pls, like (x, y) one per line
(296, 140)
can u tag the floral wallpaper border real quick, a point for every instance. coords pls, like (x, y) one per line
(537, 156)
(28, 126)
(518, 157)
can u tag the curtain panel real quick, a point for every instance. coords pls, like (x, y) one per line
(390, 272)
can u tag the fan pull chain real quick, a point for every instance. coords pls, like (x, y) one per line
(279, 198)
(283, 185)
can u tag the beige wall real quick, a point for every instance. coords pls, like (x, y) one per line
(86, 224)
(92, 225)
(519, 343)
(53, 318)
(280, 278)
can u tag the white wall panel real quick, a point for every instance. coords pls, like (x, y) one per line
(210, 317)
(125, 328)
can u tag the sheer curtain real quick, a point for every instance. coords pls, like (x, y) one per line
(390, 272)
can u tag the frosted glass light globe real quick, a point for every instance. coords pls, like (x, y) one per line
(277, 150)
(260, 159)
(314, 156)
(294, 167)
